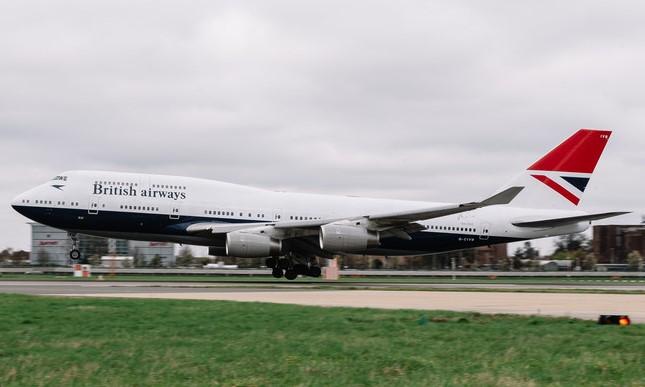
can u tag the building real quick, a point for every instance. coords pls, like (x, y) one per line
(612, 244)
(152, 253)
(51, 246)
(490, 256)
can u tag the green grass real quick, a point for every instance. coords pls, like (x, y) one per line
(106, 342)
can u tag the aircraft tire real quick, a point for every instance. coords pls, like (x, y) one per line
(74, 255)
(290, 274)
(277, 273)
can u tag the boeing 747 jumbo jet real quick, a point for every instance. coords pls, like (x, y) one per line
(291, 230)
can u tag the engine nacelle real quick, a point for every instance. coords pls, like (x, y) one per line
(251, 245)
(337, 238)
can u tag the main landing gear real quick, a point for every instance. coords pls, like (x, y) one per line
(289, 269)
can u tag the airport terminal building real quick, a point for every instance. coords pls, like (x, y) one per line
(51, 246)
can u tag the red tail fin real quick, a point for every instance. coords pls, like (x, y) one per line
(559, 179)
(579, 153)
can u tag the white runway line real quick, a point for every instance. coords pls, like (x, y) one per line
(584, 306)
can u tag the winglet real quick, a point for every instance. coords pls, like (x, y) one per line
(504, 197)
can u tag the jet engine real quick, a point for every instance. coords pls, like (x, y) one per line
(337, 238)
(251, 245)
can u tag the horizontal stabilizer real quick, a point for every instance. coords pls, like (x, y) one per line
(568, 220)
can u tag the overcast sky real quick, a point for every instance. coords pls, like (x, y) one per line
(421, 100)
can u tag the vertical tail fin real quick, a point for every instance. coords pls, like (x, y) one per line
(559, 179)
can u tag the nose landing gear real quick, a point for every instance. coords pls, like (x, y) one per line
(75, 254)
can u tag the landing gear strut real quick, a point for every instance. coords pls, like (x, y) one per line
(284, 263)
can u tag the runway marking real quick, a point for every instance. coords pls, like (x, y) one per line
(584, 306)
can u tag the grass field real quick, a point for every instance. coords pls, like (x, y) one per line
(66, 341)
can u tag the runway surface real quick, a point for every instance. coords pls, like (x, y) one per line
(585, 306)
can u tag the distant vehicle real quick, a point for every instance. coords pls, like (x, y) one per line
(612, 267)
(116, 261)
(292, 229)
(219, 265)
(555, 264)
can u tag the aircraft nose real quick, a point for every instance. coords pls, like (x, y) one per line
(17, 201)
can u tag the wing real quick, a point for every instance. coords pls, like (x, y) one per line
(385, 221)
(398, 223)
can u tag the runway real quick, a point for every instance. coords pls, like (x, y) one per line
(577, 305)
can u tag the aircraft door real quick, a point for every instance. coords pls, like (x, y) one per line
(175, 211)
(95, 203)
(484, 232)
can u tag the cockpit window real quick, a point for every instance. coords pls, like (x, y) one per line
(60, 178)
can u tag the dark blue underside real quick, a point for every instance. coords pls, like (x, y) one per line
(162, 227)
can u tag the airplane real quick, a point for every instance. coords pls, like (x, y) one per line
(292, 230)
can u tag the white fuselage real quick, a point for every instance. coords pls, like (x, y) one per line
(157, 207)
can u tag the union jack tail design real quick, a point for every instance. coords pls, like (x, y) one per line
(560, 178)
